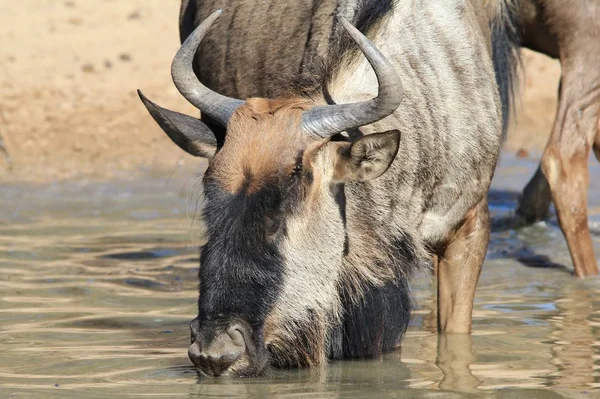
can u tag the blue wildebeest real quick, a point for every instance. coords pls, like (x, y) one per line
(568, 31)
(327, 191)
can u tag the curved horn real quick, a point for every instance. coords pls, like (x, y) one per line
(327, 120)
(215, 105)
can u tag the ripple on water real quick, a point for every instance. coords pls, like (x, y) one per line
(97, 290)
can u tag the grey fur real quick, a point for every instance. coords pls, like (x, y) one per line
(450, 122)
(450, 118)
(328, 120)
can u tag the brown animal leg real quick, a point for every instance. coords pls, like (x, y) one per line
(459, 268)
(435, 262)
(569, 31)
(568, 176)
(565, 159)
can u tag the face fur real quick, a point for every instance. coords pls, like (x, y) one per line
(275, 239)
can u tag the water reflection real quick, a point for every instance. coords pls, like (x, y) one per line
(349, 379)
(94, 302)
(454, 359)
(573, 339)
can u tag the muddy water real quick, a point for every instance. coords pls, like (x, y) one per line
(98, 284)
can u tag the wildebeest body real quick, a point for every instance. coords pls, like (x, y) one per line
(447, 118)
(310, 243)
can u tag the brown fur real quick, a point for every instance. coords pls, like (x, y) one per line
(568, 31)
(300, 350)
(459, 267)
(247, 162)
(494, 11)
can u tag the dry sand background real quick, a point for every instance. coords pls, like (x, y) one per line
(68, 74)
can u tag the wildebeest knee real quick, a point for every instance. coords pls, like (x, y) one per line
(566, 173)
(551, 164)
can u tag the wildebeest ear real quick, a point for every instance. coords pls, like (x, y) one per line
(368, 157)
(189, 133)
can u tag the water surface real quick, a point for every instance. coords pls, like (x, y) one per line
(98, 285)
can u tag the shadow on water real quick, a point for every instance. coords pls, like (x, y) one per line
(505, 242)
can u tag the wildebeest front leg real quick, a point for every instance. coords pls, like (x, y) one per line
(459, 268)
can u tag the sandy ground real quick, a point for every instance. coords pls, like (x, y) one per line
(68, 74)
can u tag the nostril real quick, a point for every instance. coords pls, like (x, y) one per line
(221, 353)
(195, 354)
(215, 365)
(236, 335)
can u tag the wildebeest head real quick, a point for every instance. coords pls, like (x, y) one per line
(271, 268)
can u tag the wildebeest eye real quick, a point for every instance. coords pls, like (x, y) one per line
(272, 225)
(297, 170)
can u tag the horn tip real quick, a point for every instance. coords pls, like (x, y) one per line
(213, 16)
(149, 104)
(145, 100)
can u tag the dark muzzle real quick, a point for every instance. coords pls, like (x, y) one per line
(216, 357)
